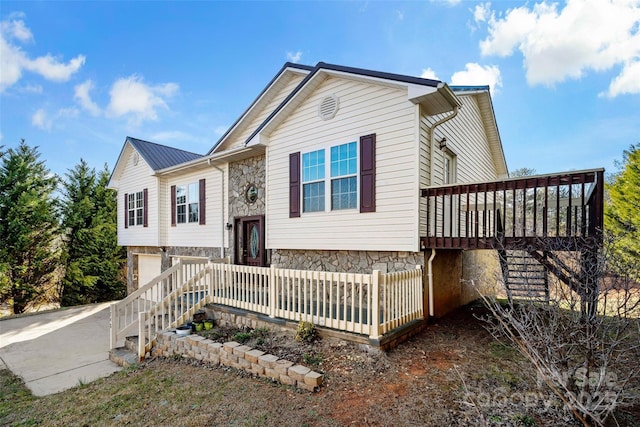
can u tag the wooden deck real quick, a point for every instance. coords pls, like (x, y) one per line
(548, 212)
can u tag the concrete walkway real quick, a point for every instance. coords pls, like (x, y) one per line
(57, 350)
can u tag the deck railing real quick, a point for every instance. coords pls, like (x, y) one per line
(367, 304)
(557, 207)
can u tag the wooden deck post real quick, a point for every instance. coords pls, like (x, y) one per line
(375, 305)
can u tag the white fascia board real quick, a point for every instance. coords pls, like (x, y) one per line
(417, 91)
(259, 139)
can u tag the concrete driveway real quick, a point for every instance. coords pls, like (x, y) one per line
(57, 350)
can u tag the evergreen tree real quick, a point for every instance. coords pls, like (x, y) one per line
(28, 227)
(622, 219)
(92, 259)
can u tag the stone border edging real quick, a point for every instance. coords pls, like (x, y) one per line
(237, 356)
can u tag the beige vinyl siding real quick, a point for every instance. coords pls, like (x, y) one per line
(467, 138)
(194, 234)
(239, 136)
(135, 178)
(164, 215)
(363, 109)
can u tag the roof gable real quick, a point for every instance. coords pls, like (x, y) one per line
(276, 84)
(485, 104)
(161, 156)
(433, 93)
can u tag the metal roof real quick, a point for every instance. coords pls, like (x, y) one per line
(160, 156)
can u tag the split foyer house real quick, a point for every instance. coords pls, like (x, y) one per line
(328, 170)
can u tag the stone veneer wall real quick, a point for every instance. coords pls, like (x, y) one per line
(242, 174)
(237, 356)
(347, 261)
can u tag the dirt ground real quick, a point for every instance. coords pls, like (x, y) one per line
(452, 374)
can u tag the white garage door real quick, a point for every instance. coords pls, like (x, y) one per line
(149, 266)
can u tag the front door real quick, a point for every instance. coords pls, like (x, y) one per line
(250, 241)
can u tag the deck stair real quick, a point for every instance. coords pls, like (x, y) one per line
(524, 277)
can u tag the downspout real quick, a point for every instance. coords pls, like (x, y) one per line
(431, 136)
(222, 201)
(431, 179)
(430, 279)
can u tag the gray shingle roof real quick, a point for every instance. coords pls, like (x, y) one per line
(160, 156)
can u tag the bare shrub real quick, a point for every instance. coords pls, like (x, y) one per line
(584, 341)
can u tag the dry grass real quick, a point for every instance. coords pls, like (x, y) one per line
(452, 374)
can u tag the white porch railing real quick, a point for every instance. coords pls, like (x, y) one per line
(367, 304)
(152, 297)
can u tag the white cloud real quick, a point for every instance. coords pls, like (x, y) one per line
(476, 74)
(41, 120)
(627, 82)
(399, 15)
(13, 60)
(294, 57)
(482, 12)
(584, 36)
(51, 69)
(428, 73)
(81, 95)
(133, 97)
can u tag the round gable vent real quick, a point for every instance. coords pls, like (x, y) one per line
(328, 107)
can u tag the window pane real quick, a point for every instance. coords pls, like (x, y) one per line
(193, 212)
(313, 166)
(344, 194)
(181, 215)
(313, 197)
(193, 192)
(344, 159)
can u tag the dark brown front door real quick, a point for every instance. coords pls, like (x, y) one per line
(250, 241)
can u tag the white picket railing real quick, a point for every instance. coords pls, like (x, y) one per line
(153, 296)
(367, 304)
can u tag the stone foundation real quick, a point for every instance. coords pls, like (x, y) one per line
(347, 261)
(237, 356)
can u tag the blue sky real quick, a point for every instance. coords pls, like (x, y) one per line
(76, 78)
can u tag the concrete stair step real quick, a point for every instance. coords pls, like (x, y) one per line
(123, 356)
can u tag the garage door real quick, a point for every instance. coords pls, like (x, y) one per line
(149, 266)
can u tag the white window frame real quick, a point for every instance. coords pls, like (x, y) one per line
(189, 201)
(449, 167)
(135, 209)
(328, 179)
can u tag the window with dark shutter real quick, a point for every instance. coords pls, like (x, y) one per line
(368, 173)
(294, 185)
(145, 207)
(126, 210)
(173, 205)
(202, 200)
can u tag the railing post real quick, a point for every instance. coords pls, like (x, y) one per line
(273, 292)
(375, 305)
(142, 337)
(113, 339)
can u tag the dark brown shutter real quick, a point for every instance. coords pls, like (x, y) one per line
(294, 185)
(173, 205)
(203, 202)
(145, 208)
(126, 210)
(368, 173)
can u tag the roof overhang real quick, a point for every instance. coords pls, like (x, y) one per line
(436, 97)
(216, 159)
